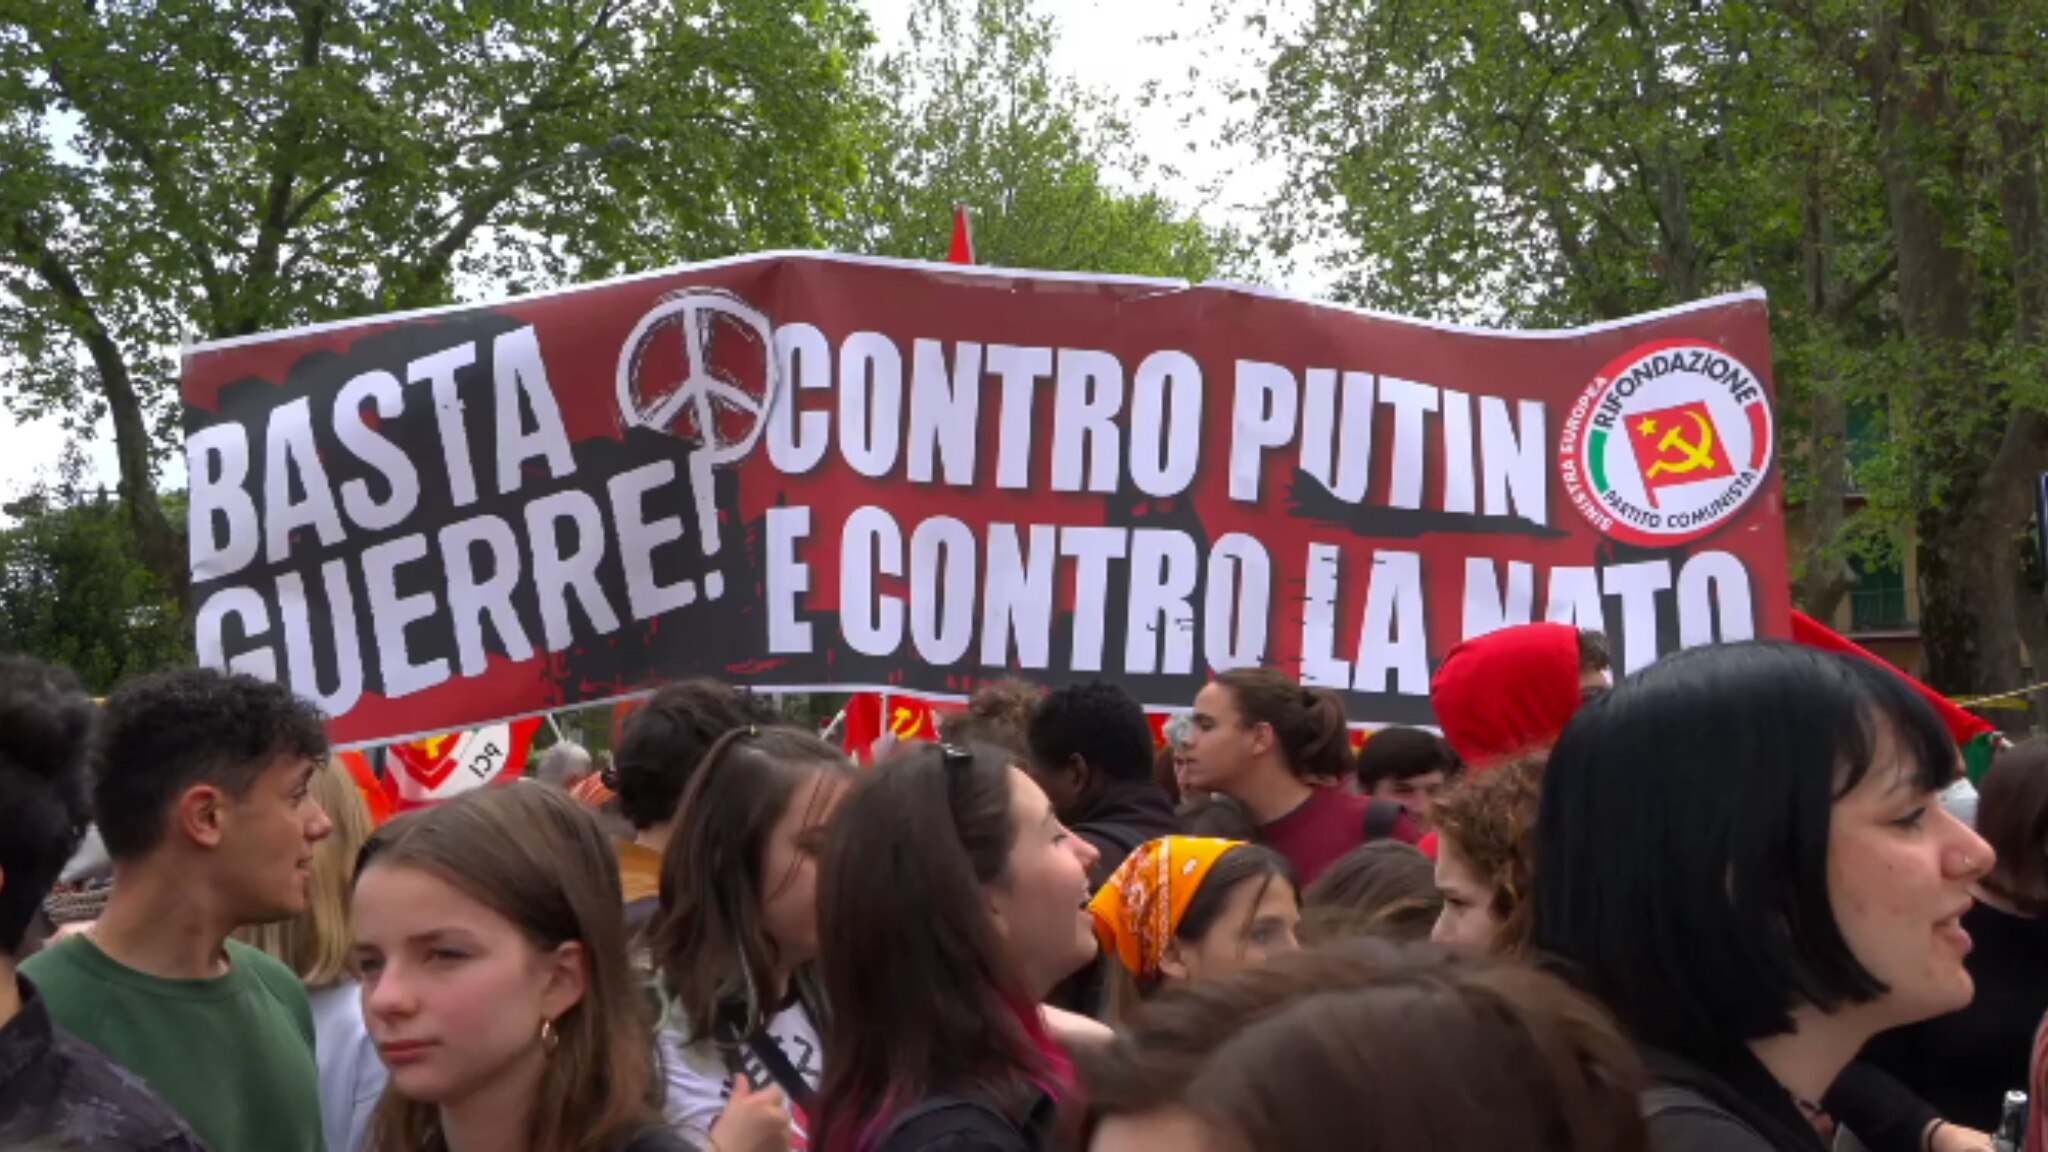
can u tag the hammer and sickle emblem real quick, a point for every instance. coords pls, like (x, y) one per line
(903, 723)
(1693, 454)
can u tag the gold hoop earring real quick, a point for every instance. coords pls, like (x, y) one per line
(549, 1038)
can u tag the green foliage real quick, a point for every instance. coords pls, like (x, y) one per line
(74, 590)
(972, 114)
(180, 169)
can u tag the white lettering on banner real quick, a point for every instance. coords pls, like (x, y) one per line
(1087, 397)
(1394, 641)
(1018, 597)
(1159, 632)
(519, 374)
(557, 573)
(1457, 456)
(1637, 585)
(638, 538)
(870, 543)
(1262, 419)
(943, 410)
(438, 372)
(1336, 446)
(248, 606)
(1166, 401)
(471, 600)
(786, 580)
(942, 579)
(1512, 471)
(390, 462)
(1020, 370)
(1320, 667)
(1575, 599)
(391, 613)
(1714, 601)
(1496, 465)
(870, 403)
(1489, 608)
(798, 439)
(1091, 549)
(217, 462)
(1410, 402)
(1240, 598)
(298, 639)
(289, 451)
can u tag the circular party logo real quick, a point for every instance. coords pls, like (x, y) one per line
(1668, 444)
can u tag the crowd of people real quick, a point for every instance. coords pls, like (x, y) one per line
(1725, 904)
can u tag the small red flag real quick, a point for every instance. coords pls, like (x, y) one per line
(962, 251)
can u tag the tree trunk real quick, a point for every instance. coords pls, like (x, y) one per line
(1825, 577)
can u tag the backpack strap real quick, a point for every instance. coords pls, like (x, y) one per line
(764, 1048)
(1381, 818)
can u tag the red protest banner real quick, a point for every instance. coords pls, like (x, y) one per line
(802, 471)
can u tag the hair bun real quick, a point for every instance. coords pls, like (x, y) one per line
(45, 719)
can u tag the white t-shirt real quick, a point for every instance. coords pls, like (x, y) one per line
(351, 1074)
(699, 1082)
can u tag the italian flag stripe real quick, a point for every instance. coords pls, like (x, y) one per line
(1596, 453)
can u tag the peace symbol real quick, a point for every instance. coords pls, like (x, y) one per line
(703, 314)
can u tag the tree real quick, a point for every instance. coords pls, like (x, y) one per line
(74, 589)
(1548, 161)
(972, 114)
(180, 169)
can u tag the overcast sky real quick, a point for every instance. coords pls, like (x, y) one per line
(1107, 45)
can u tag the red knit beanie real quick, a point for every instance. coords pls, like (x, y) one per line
(1507, 692)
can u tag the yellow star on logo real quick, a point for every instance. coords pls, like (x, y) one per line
(1648, 427)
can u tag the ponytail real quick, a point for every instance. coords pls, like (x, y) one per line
(1308, 723)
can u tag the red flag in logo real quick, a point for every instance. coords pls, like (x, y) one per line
(1677, 445)
(441, 767)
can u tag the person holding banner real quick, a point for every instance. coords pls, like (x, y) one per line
(949, 906)
(736, 937)
(490, 935)
(202, 789)
(1280, 750)
(1183, 908)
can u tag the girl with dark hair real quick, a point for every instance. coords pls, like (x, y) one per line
(1367, 1047)
(1281, 750)
(949, 905)
(491, 939)
(737, 932)
(1964, 1063)
(1741, 852)
(1182, 909)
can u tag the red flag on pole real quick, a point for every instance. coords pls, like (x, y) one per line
(962, 251)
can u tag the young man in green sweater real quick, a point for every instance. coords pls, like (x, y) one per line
(201, 793)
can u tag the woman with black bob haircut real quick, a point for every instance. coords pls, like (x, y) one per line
(1740, 851)
(949, 905)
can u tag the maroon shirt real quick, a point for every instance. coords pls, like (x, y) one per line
(1323, 828)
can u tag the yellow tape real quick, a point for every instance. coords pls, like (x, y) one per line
(1993, 701)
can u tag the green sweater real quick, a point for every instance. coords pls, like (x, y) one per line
(233, 1055)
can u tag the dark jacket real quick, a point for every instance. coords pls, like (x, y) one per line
(55, 1088)
(1963, 1063)
(1734, 1106)
(954, 1124)
(1128, 813)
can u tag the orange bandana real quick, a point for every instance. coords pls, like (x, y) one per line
(1137, 911)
